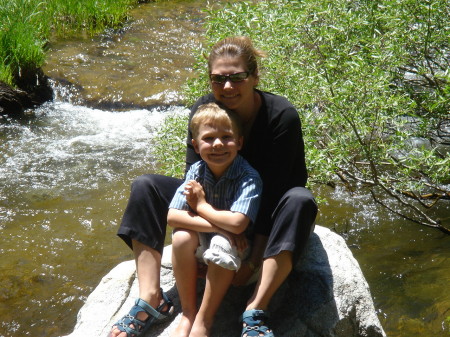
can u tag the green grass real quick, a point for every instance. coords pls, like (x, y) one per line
(21, 38)
(26, 27)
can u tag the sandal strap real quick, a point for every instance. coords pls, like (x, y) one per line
(166, 302)
(142, 306)
(156, 313)
(124, 323)
(255, 314)
(257, 330)
(255, 321)
(147, 308)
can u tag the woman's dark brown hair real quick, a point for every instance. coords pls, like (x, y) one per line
(237, 47)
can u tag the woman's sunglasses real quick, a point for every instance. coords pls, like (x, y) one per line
(238, 77)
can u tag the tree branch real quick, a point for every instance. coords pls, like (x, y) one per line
(432, 225)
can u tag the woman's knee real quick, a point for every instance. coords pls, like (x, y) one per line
(298, 208)
(154, 188)
(144, 182)
(302, 198)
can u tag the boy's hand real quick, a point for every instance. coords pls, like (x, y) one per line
(194, 193)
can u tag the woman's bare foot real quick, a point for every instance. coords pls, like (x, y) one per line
(184, 327)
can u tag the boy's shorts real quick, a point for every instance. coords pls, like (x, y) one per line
(217, 249)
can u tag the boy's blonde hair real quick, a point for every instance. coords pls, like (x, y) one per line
(212, 113)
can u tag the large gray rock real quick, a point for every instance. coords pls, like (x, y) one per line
(325, 295)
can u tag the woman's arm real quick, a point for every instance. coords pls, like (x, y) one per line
(280, 162)
(253, 263)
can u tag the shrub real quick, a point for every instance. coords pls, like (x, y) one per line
(170, 145)
(370, 80)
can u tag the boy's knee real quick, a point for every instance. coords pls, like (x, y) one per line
(184, 239)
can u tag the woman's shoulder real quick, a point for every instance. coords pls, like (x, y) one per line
(274, 98)
(277, 106)
(245, 169)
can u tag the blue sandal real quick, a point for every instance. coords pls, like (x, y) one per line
(154, 316)
(254, 324)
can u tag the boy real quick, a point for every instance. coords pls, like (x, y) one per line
(210, 213)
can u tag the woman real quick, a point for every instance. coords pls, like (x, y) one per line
(273, 145)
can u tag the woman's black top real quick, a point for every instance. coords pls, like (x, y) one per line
(274, 148)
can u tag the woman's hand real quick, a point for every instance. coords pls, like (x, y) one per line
(241, 242)
(252, 265)
(237, 240)
(195, 195)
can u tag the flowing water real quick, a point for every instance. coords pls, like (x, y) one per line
(65, 177)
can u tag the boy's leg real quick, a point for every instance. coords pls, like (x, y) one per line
(184, 245)
(218, 280)
(223, 260)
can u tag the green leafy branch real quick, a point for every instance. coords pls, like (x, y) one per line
(371, 82)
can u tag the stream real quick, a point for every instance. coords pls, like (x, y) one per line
(65, 176)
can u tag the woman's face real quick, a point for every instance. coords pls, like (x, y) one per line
(234, 95)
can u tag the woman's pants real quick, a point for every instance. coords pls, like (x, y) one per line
(145, 218)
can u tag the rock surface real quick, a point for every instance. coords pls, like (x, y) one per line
(325, 295)
(32, 89)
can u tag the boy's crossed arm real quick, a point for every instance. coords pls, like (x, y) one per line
(233, 222)
(206, 218)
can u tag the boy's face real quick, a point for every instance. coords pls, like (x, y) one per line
(218, 145)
